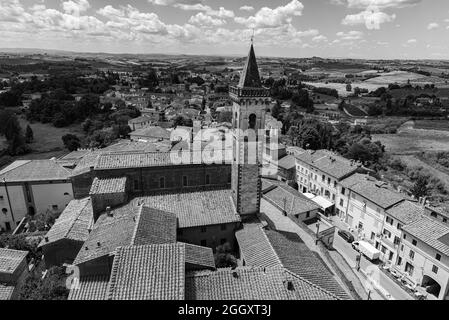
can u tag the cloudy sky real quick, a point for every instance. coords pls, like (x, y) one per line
(290, 28)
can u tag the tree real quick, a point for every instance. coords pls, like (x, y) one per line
(71, 142)
(224, 257)
(421, 188)
(29, 135)
(276, 110)
(52, 287)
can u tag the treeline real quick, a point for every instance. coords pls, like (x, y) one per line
(350, 142)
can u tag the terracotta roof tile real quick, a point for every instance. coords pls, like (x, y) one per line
(152, 272)
(195, 208)
(431, 232)
(406, 211)
(6, 292)
(199, 257)
(10, 260)
(34, 170)
(154, 227)
(73, 223)
(105, 186)
(90, 288)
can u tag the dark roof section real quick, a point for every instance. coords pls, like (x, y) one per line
(199, 257)
(154, 227)
(250, 77)
(109, 233)
(152, 272)
(303, 262)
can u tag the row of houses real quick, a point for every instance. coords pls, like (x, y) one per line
(412, 237)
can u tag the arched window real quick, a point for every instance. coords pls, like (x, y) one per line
(252, 121)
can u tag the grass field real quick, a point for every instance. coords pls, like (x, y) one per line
(47, 140)
(409, 140)
(442, 125)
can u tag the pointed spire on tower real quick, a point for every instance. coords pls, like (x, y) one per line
(250, 75)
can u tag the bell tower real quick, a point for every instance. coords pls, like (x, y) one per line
(250, 100)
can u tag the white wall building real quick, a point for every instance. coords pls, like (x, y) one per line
(32, 187)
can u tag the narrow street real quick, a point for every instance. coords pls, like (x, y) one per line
(346, 250)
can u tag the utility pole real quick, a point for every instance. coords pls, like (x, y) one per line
(9, 201)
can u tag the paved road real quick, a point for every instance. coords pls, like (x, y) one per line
(346, 250)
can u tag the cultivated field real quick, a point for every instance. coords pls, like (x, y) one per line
(441, 125)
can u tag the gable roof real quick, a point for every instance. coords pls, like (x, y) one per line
(255, 248)
(73, 223)
(154, 227)
(296, 257)
(195, 208)
(250, 77)
(152, 132)
(288, 162)
(247, 283)
(431, 232)
(328, 162)
(151, 272)
(109, 233)
(6, 292)
(373, 190)
(406, 211)
(287, 198)
(34, 170)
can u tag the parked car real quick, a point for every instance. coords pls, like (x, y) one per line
(346, 235)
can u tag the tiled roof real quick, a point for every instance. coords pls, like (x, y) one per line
(431, 232)
(6, 292)
(287, 162)
(10, 260)
(152, 272)
(287, 198)
(73, 223)
(128, 159)
(90, 288)
(75, 155)
(154, 227)
(296, 257)
(406, 211)
(195, 208)
(247, 283)
(152, 132)
(139, 119)
(109, 233)
(328, 162)
(199, 257)
(375, 191)
(88, 161)
(255, 246)
(105, 186)
(142, 146)
(34, 170)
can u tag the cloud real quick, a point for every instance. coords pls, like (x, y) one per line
(432, 26)
(351, 35)
(273, 18)
(195, 5)
(372, 18)
(76, 7)
(412, 41)
(247, 8)
(319, 38)
(204, 20)
(382, 4)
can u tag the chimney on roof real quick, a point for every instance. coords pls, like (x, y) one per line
(98, 244)
(46, 239)
(290, 286)
(235, 274)
(108, 211)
